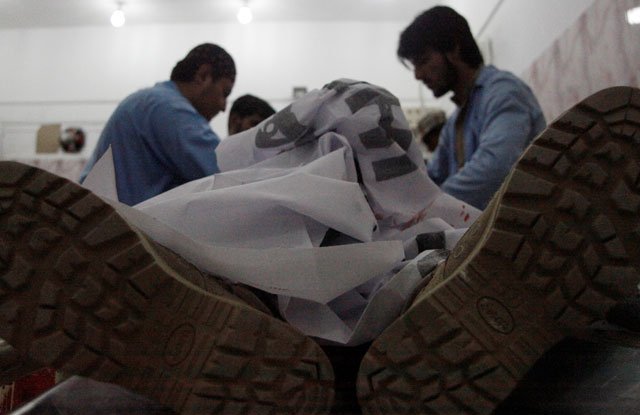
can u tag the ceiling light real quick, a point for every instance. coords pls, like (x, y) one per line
(633, 15)
(245, 15)
(117, 18)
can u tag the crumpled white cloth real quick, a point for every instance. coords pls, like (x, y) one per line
(340, 161)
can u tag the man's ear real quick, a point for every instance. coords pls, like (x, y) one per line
(203, 72)
(454, 54)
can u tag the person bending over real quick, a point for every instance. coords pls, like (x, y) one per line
(497, 115)
(160, 136)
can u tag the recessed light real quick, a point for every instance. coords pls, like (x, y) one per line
(633, 15)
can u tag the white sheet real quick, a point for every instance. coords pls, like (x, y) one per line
(339, 158)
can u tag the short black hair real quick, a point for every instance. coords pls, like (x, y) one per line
(442, 29)
(247, 105)
(222, 64)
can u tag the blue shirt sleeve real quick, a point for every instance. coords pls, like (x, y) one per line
(505, 132)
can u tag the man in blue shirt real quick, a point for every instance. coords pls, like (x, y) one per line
(497, 114)
(160, 137)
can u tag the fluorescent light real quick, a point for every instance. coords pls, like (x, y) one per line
(117, 18)
(245, 15)
(633, 15)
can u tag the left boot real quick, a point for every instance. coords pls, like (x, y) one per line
(84, 291)
(555, 250)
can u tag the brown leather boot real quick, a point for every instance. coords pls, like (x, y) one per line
(85, 292)
(558, 246)
(13, 366)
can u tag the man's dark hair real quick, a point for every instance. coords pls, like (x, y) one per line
(247, 105)
(442, 29)
(222, 65)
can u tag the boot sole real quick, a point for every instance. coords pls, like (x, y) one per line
(84, 292)
(558, 246)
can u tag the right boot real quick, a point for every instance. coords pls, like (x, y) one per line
(555, 251)
(85, 292)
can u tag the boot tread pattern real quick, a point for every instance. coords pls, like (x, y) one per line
(552, 255)
(81, 291)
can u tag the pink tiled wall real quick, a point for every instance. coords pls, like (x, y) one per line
(599, 50)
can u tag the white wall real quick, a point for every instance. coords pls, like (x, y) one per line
(521, 30)
(78, 75)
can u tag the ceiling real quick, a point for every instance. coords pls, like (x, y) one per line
(68, 13)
